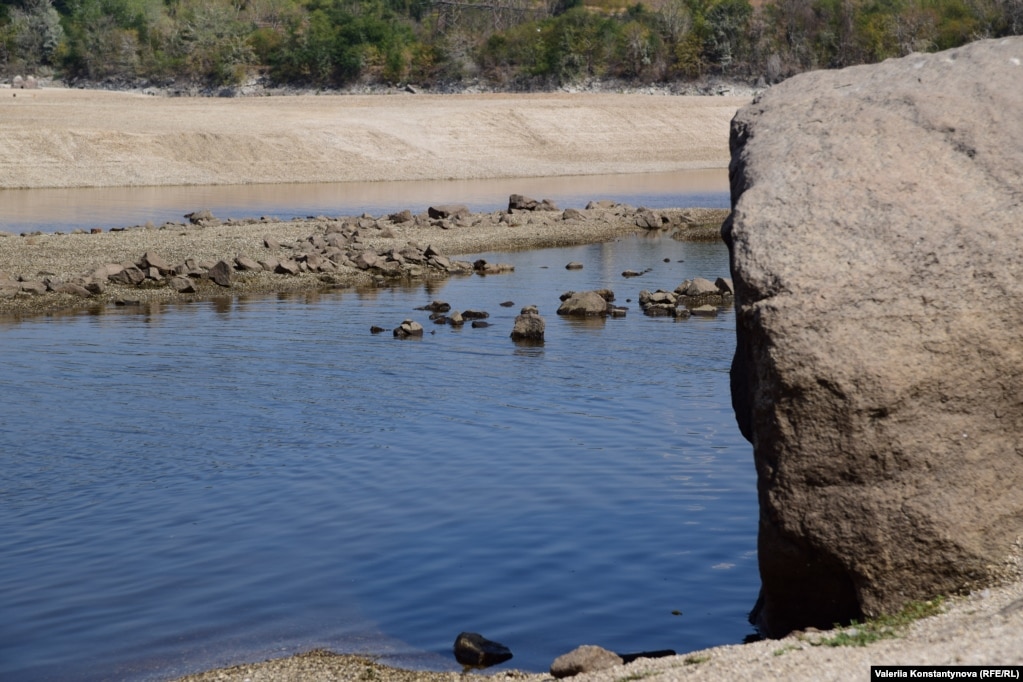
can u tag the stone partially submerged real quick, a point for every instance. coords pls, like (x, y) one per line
(876, 245)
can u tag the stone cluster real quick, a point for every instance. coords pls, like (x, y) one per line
(599, 303)
(697, 296)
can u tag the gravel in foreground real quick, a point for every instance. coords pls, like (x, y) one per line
(985, 628)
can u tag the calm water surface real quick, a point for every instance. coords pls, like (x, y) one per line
(53, 210)
(197, 485)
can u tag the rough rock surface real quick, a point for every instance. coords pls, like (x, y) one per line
(876, 248)
(584, 659)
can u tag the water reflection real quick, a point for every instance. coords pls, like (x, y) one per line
(267, 477)
(53, 210)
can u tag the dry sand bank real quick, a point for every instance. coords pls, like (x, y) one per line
(81, 138)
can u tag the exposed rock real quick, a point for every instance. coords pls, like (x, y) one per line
(408, 328)
(182, 285)
(455, 319)
(480, 324)
(507, 304)
(520, 202)
(153, 260)
(474, 650)
(529, 326)
(482, 267)
(875, 250)
(446, 211)
(203, 217)
(572, 214)
(649, 220)
(130, 275)
(246, 263)
(401, 217)
(221, 273)
(437, 306)
(585, 659)
(287, 267)
(73, 289)
(584, 304)
(475, 314)
(574, 265)
(698, 286)
(33, 287)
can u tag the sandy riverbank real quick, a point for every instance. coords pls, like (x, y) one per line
(78, 138)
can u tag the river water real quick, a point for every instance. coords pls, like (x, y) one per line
(196, 485)
(63, 210)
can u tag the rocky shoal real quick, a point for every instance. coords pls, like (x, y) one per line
(207, 257)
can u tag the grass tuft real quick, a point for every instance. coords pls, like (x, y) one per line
(882, 627)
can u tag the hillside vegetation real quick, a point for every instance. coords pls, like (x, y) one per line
(506, 44)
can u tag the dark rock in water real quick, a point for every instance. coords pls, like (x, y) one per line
(480, 324)
(632, 273)
(475, 315)
(506, 304)
(455, 319)
(574, 265)
(875, 251)
(474, 650)
(437, 307)
(376, 330)
(529, 326)
(407, 329)
(585, 304)
(584, 659)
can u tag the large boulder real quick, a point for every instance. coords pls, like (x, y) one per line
(875, 241)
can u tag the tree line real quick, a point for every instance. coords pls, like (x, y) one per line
(512, 44)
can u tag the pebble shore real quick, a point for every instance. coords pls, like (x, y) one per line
(53, 259)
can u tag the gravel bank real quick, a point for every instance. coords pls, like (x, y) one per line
(985, 628)
(54, 259)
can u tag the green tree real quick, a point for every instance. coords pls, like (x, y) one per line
(35, 33)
